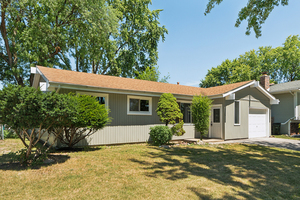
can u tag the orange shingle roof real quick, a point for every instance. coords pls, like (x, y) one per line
(113, 82)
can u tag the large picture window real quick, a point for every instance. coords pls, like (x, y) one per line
(137, 105)
(186, 111)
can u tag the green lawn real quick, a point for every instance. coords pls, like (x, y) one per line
(142, 171)
(286, 137)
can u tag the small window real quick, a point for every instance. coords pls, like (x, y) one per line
(237, 112)
(216, 115)
(101, 98)
(139, 105)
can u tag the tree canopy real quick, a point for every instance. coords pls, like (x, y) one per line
(152, 74)
(281, 63)
(255, 12)
(101, 36)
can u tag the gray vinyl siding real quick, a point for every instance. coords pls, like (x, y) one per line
(128, 128)
(118, 112)
(249, 98)
(285, 109)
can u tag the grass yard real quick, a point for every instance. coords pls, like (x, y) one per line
(286, 137)
(142, 171)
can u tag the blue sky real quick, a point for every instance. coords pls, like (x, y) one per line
(196, 43)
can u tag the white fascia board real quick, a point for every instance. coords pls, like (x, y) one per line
(273, 102)
(33, 70)
(230, 97)
(240, 88)
(266, 92)
(110, 90)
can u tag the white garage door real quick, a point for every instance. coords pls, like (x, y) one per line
(257, 123)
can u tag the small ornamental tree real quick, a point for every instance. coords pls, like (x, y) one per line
(201, 106)
(90, 116)
(32, 114)
(168, 112)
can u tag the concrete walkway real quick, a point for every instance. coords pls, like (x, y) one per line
(271, 142)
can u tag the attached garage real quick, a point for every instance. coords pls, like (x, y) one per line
(258, 123)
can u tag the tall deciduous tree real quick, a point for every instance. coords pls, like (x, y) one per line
(255, 12)
(102, 36)
(40, 32)
(152, 74)
(282, 64)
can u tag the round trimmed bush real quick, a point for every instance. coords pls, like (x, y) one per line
(160, 134)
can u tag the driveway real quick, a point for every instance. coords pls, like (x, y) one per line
(271, 142)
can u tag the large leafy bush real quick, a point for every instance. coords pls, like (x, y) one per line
(89, 116)
(33, 114)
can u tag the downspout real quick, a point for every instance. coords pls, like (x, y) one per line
(58, 88)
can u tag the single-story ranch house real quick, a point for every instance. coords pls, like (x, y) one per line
(239, 110)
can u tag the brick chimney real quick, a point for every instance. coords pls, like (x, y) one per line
(265, 81)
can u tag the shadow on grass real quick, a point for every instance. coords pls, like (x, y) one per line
(252, 172)
(77, 149)
(7, 163)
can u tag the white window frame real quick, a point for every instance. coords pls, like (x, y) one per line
(239, 113)
(96, 94)
(189, 102)
(139, 112)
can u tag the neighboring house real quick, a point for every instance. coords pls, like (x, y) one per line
(287, 113)
(239, 110)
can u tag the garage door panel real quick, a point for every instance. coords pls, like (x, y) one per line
(257, 123)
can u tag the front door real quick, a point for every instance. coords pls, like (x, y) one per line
(216, 122)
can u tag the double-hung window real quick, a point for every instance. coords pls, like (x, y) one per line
(139, 105)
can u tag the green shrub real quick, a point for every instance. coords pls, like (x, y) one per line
(160, 134)
(88, 117)
(201, 106)
(10, 134)
(168, 111)
(32, 114)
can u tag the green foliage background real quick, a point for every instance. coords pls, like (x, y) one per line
(281, 63)
(115, 37)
